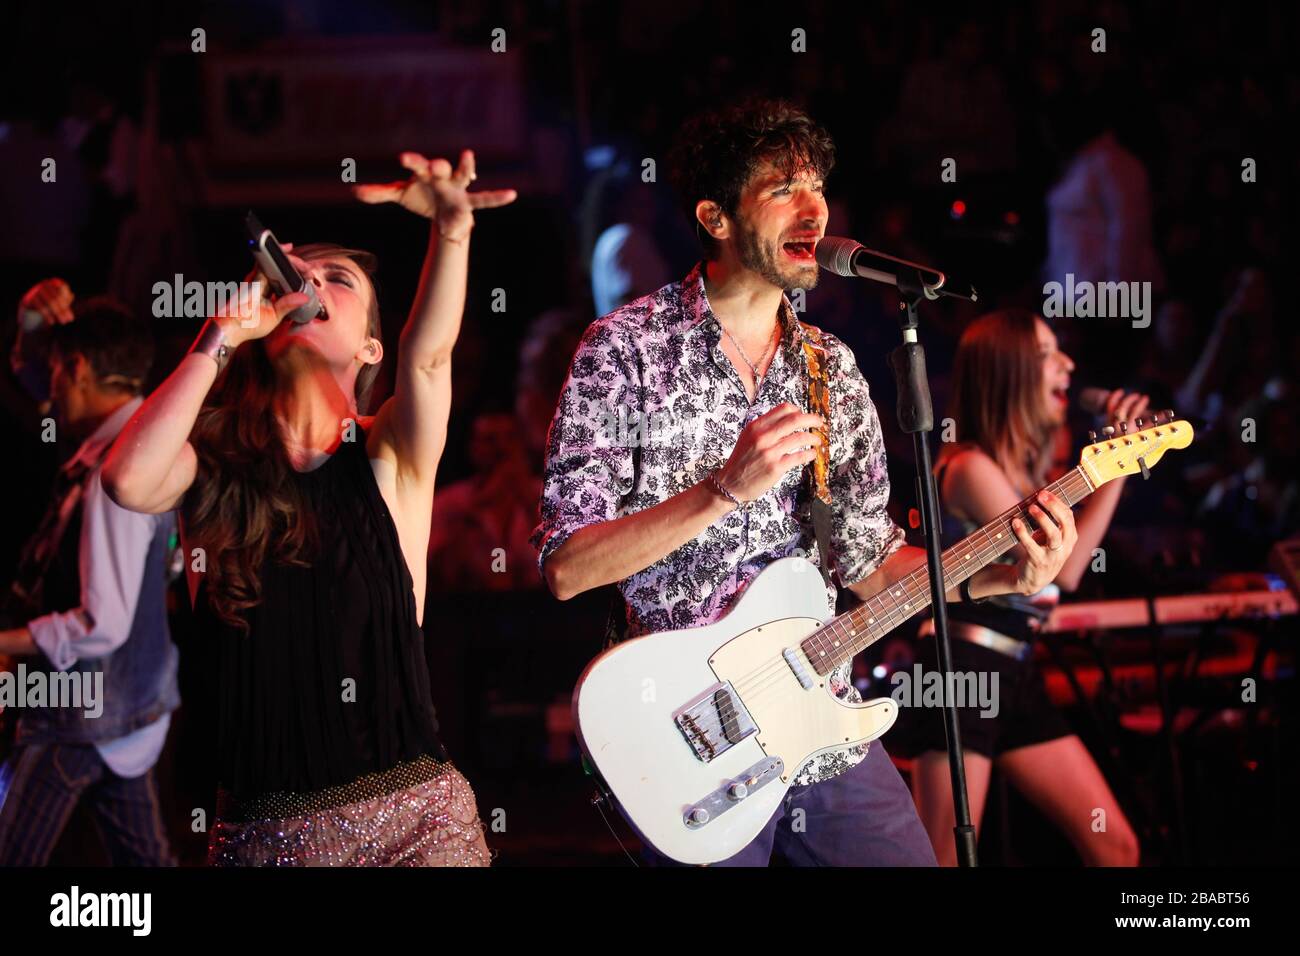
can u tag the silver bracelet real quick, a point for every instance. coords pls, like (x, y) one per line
(722, 490)
(963, 590)
(213, 343)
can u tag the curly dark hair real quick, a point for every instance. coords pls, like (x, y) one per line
(716, 153)
(118, 347)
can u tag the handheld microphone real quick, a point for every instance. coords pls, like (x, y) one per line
(284, 278)
(1093, 400)
(848, 258)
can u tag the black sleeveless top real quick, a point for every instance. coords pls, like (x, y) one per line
(1009, 614)
(331, 682)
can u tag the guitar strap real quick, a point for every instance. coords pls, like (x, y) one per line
(819, 469)
(614, 629)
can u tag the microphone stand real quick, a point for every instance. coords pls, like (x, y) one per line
(916, 417)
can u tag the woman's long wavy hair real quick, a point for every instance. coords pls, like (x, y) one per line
(244, 506)
(997, 393)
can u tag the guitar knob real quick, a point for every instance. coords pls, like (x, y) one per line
(738, 791)
(699, 816)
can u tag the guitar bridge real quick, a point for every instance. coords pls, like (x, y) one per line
(714, 722)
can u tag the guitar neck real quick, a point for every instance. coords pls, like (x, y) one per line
(840, 638)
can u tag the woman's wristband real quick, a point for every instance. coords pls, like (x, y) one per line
(213, 343)
(963, 590)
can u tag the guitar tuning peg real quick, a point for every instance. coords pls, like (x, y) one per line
(1138, 422)
(1169, 414)
(1092, 437)
(1108, 431)
(1123, 428)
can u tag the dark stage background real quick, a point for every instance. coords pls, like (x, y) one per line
(161, 149)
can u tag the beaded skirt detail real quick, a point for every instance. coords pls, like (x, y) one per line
(429, 818)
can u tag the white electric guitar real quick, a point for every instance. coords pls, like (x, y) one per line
(697, 733)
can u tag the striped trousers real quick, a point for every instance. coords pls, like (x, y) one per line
(42, 783)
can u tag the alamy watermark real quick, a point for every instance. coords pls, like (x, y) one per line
(133, 911)
(625, 427)
(200, 300)
(922, 688)
(1101, 300)
(82, 690)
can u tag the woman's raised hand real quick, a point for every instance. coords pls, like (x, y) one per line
(1122, 406)
(438, 192)
(51, 299)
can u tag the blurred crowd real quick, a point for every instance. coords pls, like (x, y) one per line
(1121, 163)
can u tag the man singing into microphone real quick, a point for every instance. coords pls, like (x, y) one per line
(683, 510)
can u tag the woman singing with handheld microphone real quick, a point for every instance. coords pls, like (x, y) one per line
(1010, 382)
(304, 525)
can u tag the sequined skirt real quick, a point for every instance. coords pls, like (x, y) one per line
(421, 813)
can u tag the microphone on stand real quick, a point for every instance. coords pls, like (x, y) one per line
(845, 257)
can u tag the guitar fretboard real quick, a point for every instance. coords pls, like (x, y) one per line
(840, 638)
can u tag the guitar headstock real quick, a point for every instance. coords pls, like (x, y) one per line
(1133, 450)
